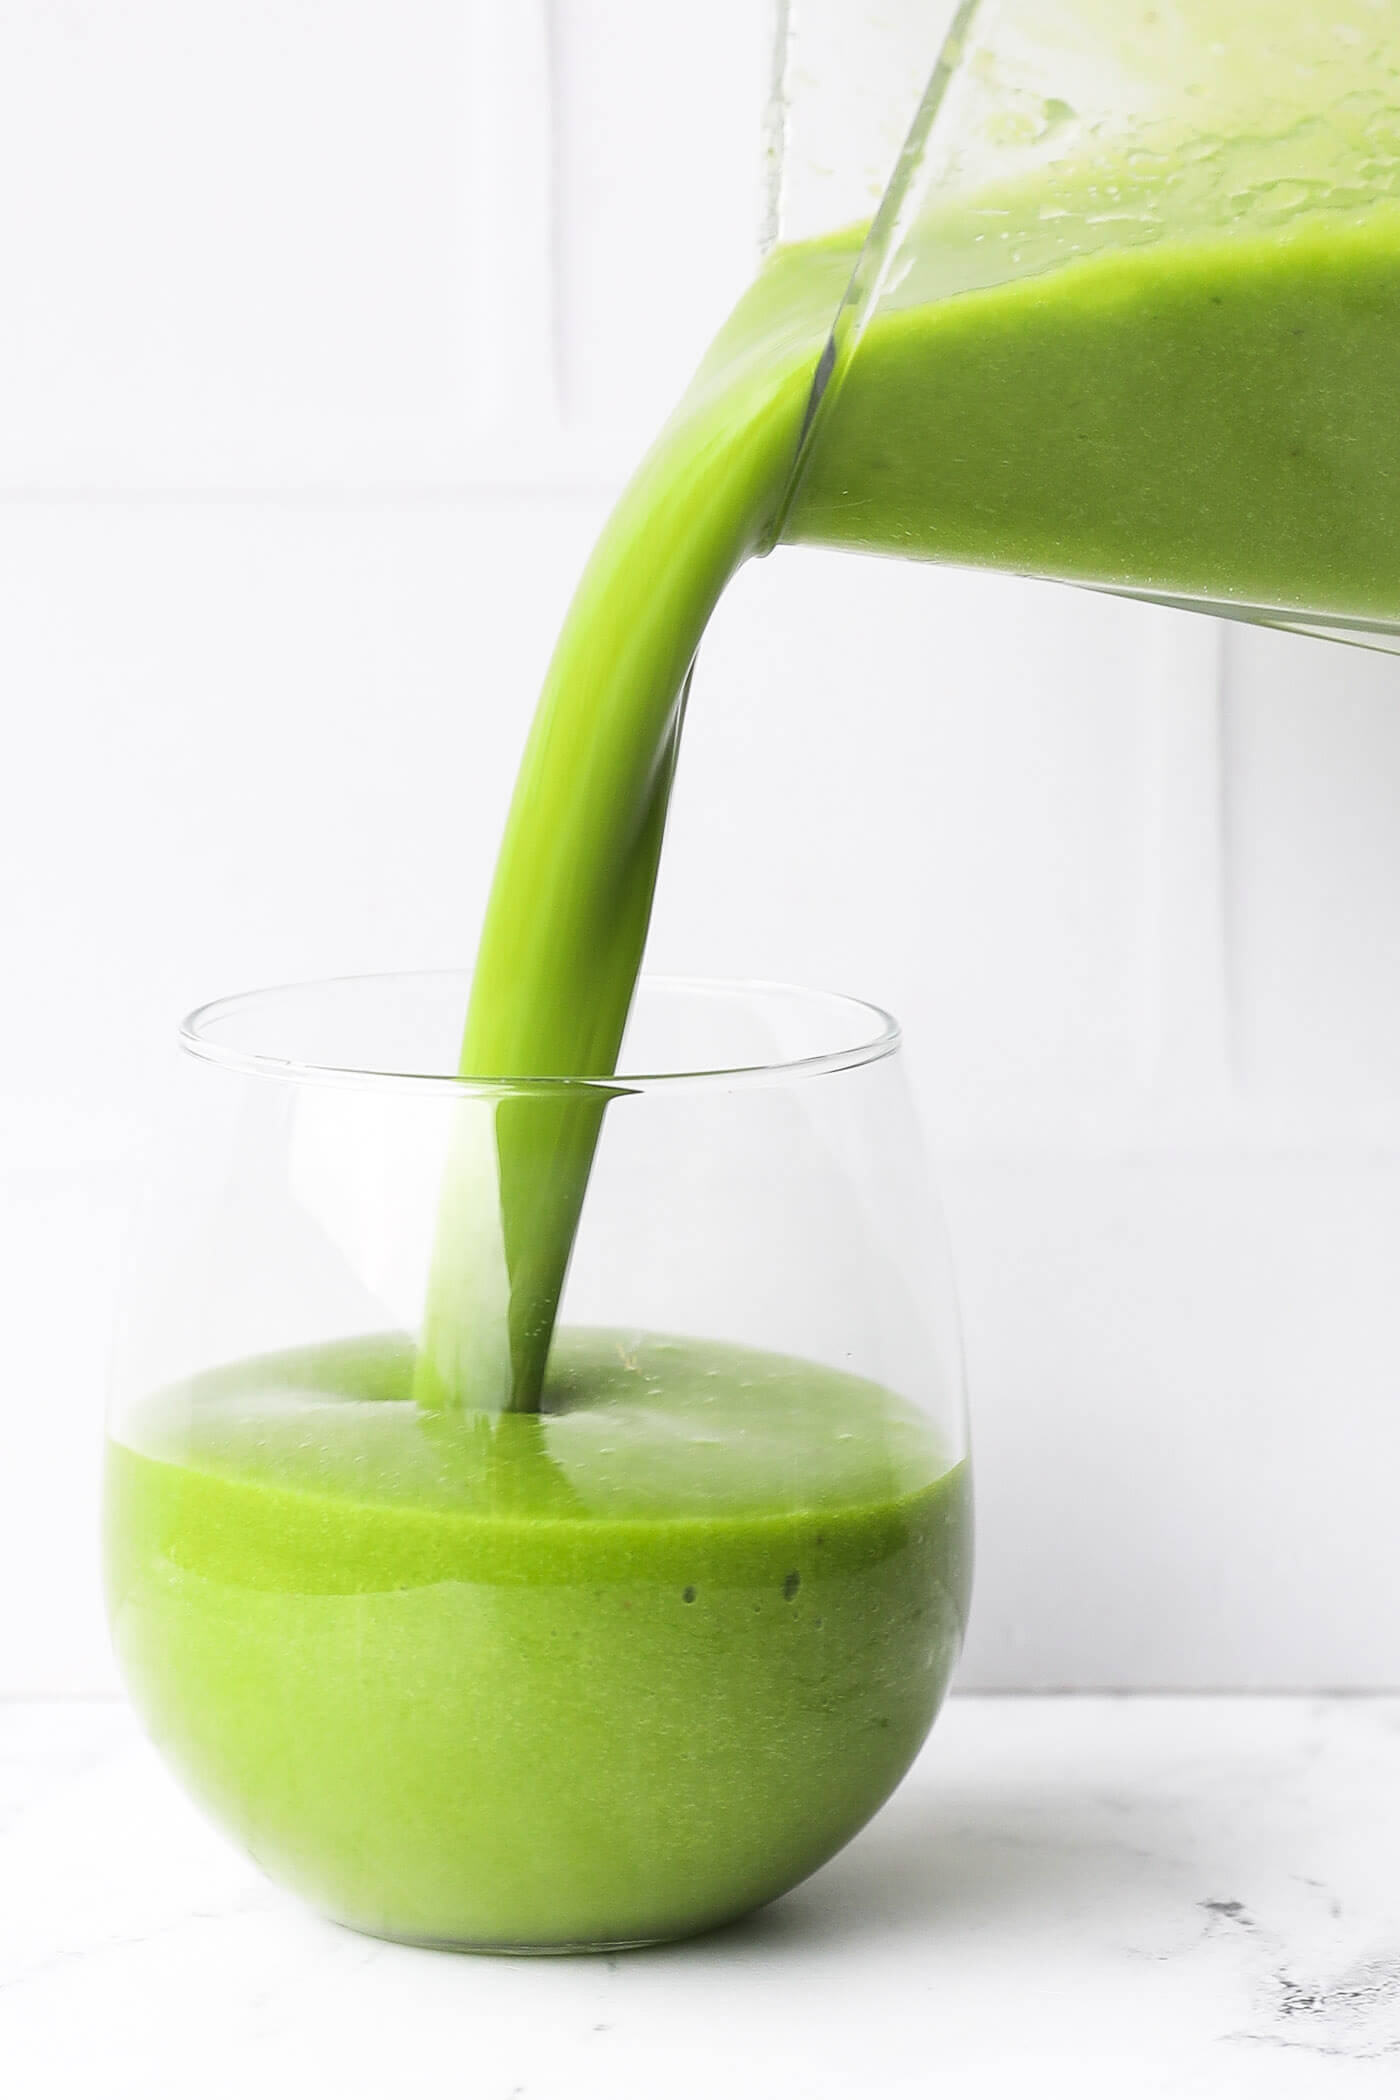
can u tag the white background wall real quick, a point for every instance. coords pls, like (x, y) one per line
(299, 455)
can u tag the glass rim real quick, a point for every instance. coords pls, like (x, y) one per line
(881, 1039)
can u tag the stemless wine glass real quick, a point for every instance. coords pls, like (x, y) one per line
(608, 1673)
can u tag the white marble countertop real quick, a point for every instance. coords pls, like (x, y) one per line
(1088, 1896)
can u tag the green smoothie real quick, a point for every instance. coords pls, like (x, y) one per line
(614, 1671)
(1205, 416)
(538, 1638)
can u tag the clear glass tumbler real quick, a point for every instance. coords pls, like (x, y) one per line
(608, 1673)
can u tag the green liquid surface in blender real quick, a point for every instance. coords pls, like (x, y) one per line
(1196, 419)
(614, 1671)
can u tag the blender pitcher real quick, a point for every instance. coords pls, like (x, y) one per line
(1128, 312)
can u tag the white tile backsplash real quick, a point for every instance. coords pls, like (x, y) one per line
(929, 788)
(657, 145)
(1313, 829)
(237, 241)
(1185, 1437)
